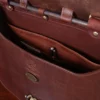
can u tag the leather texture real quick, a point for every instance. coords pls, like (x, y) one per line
(94, 24)
(55, 83)
(5, 1)
(5, 94)
(81, 8)
(64, 54)
(79, 38)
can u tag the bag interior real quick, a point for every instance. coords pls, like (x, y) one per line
(53, 29)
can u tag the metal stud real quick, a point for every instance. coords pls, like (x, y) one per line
(30, 97)
(53, 52)
(33, 99)
(95, 33)
(9, 7)
(45, 17)
(90, 16)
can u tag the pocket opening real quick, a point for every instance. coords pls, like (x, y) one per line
(78, 68)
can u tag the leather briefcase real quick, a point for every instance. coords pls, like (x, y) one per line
(49, 50)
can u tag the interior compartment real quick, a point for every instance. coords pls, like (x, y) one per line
(73, 36)
(13, 36)
(72, 61)
(56, 82)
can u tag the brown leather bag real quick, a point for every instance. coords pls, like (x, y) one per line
(49, 50)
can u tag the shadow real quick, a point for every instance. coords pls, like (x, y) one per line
(5, 30)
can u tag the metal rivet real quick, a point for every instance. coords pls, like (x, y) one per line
(90, 16)
(95, 33)
(30, 97)
(10, 8)
(45, 17)
(33, 98)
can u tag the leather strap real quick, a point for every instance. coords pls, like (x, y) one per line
(41, 11)
(66, 14)
(23, 3)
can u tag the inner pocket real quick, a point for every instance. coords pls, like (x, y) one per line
(54, 52)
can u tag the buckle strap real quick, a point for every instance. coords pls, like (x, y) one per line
(23, 3)
(66, 14)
